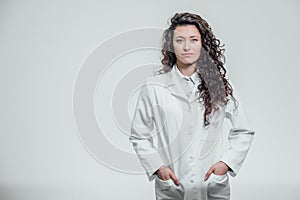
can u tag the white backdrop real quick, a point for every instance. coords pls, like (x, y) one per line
(43, 45)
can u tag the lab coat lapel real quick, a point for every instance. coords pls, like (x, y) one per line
(173, 84)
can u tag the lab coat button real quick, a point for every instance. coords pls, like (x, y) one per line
(192, 181)
(191, 157)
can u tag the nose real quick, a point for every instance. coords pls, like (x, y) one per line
(186, 45)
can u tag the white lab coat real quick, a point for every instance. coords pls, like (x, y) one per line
(167, 129)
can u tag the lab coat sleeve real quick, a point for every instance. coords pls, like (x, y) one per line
(240, 135)
(141, 134)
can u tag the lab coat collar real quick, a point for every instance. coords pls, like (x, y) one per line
(173, 84)
(194, 76)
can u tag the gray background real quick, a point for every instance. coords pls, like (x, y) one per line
(43, 45)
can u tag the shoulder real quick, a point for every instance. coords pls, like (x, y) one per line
(156, 79)
(154, 85)
(151, 83)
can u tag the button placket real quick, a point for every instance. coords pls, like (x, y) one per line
(195, 190)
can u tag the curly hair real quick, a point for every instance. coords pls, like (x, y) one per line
(214, 88)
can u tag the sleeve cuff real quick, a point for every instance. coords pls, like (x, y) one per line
(231, 170)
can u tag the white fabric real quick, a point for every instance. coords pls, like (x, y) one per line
(188, 83)
(167, 129)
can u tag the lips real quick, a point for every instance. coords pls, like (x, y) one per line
(187, 54)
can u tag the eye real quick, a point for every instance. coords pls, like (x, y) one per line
(179, 41)
(194, 40)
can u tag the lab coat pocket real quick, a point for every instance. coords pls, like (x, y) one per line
(218, 187)
(164, 184)
(167, 190)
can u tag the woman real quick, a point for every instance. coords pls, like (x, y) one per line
(179, 131)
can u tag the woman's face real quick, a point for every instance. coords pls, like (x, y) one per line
(187, 44)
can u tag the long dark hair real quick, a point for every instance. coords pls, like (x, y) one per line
(214, 88)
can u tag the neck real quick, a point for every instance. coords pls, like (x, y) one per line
(186, 69)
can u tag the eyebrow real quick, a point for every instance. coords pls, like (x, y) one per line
(190, 36)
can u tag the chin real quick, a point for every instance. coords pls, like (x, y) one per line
(188, 62)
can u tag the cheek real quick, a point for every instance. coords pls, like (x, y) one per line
(198, 49)
(176, 48)
(197, 46)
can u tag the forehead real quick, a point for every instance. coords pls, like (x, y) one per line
(186, 31)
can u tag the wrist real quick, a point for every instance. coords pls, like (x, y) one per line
(228, 168)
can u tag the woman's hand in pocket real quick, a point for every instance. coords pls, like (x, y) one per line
(166, 173)
(220, 168)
